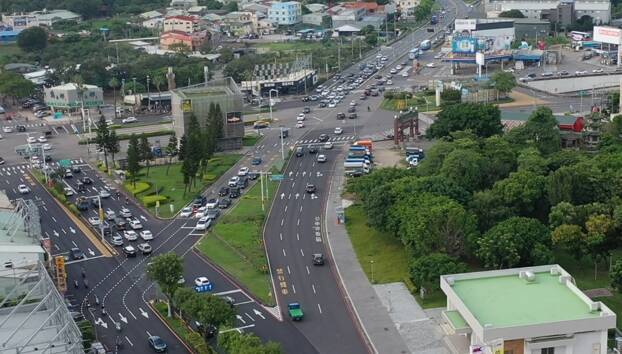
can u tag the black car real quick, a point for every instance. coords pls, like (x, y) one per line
(352, 109)
(223, 191)
(120, 223)
(224, 203)
(21, 128)
(306, 110)
(1, 161)
(300, 151)
(199, 201)
(318, 259)
(47, 158)
(341, 115)
(82, 203)
(322, 105)
(86, 180)
(312, 149)
(256, 161)
(532, 76)
(310, 188)
(323, 137)
(242, 182)
(234, 193)
(76, 253)
(76, 169)
(253, 175)
(352, 116)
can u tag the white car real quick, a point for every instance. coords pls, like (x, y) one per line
(389, 82)
(353, 103)
(130, 235)
(430, 65)
(146, 235)
(201, 281)
(300, 124)
(580, 72)
(203, 224)
(186, 212)
(328, 145)
(7, 129)
(31, 140)
(332, 104)
(129, 120)
(399, 67)
(338, 131)
(46, 147)
(104, 194)
(135, 224)
(200, 212)
(42, 139)
(321, 158)
(510, 70)
(116, 240)
(233, 181)
(125, 212)
(212, 203)
(23, 189)
(301, 116)
(597, 71)
(405, 74)
(243, 171)
(68, 191)
(94, 220)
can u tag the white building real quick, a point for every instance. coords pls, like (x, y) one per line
(530, 310)
(68, 96)
(553, 10)
(407, 6)
(285, 13)
(20, 21)
(187, 24)
(49, 17)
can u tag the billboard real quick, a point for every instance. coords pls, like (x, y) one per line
(609, 35)
(464, 45)
(465, 24)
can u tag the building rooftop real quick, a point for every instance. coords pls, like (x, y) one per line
(72, 86)
(222, 87)
(55, 14)
(508, 300)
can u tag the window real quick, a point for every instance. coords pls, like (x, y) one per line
(550, 350)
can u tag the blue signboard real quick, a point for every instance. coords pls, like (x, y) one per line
(204, 288)
(464, 45)
(276, 177)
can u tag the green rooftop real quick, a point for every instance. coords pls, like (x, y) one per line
(506, 301)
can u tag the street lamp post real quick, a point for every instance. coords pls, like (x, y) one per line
(134, 93)
(270, 100)
(282, 149)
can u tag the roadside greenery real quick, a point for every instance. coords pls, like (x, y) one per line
(236, 243)
(482, 199)
(190, 337)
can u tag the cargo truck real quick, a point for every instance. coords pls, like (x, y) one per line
(295, 311)
(366, 163)
(359, 166)
(365, 143)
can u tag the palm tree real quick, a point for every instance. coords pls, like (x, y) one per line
(114, 83)
(158, 80)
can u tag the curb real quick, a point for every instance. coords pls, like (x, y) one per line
(157, 313)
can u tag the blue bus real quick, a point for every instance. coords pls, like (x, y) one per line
(425, 45)
(434, 20)
(414, 53)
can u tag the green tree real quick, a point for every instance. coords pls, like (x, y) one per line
(15, 86)
(489, 209)
(599, 228)
(133, 158)
(231, 6)
(579, 184)
(525, 192)
(32, 39)
(181, 152)
(504, 82)
(570, 238)
(540, 131)
(114, 84)
(450, 96)
(427, 270)
(157, 78)
(112, 145)
(144, 148)
(512, 14)
(88, 333)
(482, 119)
(247, 343)
(166, 270)
(500, 159)
(517, 241)
(465, 168)
(215, 311)
(530, 159)
(615, 276)
(171, 150)
(180, 48)
(102, 137)
(226, 55)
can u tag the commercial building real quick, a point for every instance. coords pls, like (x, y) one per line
(187, 24)
(49, 17)
(285, 13)
(193, 41)
(183, 4)
(563, 12)
(20, 21)
(68, 96)
(525, 311)
(498, 32)
(7, 37)
(197, 99)
(528, 28)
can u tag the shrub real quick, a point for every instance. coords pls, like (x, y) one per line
(209, 178)
(139, 188)
(74, 209)
(150, 200)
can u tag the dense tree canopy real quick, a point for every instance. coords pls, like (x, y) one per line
(32, 39)
(483, 120)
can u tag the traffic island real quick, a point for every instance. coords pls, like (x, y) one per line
(235, 244)
(191, 339)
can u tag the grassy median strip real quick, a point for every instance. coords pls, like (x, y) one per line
(168, 188)
(191, 338)
(236, 244)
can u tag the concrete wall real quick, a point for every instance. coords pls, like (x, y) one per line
(576, 84)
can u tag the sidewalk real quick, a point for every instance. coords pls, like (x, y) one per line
(371, 314)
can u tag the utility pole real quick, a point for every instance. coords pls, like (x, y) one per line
(148, 96)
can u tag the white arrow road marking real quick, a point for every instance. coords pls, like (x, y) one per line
(124, 319)
(72, 230)
(290, 173)
(56, 246)
(91, 252)
(240, 318)
(249, 316)
(74, 244)
(55, 233)
(304, 173)
(53, 219)
(258, 314)
(144, 218)
(282, 196)
(297, 195)
(102, 323)
(144, 313)
(239, 329)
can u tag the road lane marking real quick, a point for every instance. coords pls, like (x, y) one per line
(308, 270)
(280, 236)
(313, 287)
(282, 221)
(302, 253)
(294, 288)
(249, 316)
(286, 208)
(297, 236)
(319, 308)
(228, 292)
(239, 329)
(288, 270)
(298, 222)
(132, 314)
(148, 334)
(243, 303)
(284, 255)
(129, 341)
(74, 243)
(54, 219)
(301, 208)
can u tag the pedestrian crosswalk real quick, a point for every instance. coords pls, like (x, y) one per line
(335, 139)
(22, 168)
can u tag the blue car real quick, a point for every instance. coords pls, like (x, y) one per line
(256, 161)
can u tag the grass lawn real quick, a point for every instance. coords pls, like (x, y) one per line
(171, 186)
(250, 140)
(235, 243)
(294, 45)
(191, 338)
(419, 102)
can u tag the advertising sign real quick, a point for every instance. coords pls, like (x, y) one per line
(465, 24)
(186, 106)
(480, 59)
(464, 45)
(609, 35)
